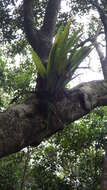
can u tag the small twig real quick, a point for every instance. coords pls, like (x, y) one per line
(76, 76)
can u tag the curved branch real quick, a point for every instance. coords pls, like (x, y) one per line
(23, 125)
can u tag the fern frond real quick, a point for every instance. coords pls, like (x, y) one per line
(40, 67)
(79, 56)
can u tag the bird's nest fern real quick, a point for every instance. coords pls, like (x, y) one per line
(64, 58)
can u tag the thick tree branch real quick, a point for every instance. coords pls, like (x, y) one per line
(30, 30)
(41, 40)
(50, 18)
(36, 39)
(25, 124)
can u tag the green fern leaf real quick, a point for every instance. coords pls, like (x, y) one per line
(40, 67)
(61, 51)
(79, 56)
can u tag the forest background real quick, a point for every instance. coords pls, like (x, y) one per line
(71, 149)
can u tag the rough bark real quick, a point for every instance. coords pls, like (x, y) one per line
(50, 18)
(41, 40)
(30, 30)
(25, 124)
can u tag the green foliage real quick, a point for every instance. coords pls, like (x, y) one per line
(40, 67)
(11, 171)
(65, 56)
(75, 154)
(15, 80)
(58, 54)
(70, 158)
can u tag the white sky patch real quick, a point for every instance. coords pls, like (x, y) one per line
(18, 3)
(64, 6)
(93, 73)
(17, 60)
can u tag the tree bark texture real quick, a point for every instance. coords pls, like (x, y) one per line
(25, 124)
